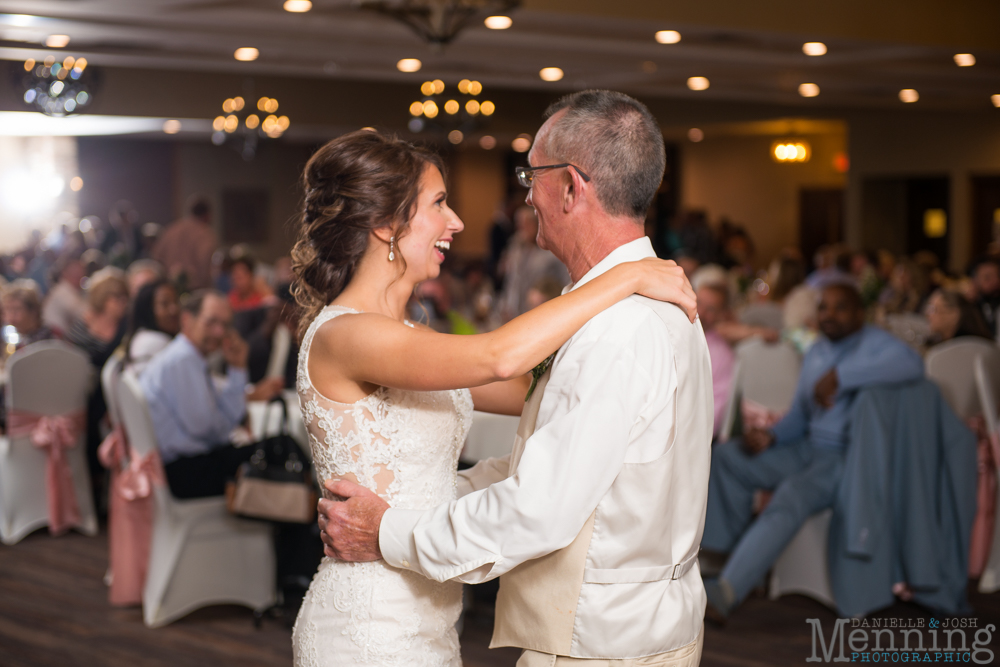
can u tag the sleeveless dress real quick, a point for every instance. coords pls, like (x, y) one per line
(404, 445)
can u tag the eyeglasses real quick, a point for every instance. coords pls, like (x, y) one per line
(525, 175)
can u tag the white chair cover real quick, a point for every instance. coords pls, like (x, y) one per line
(201, 555)
(951, 364)
(987, 376)
(732, 400)
(491, 436)
(768, 372)
(109, 384)
(802, 567)
(47, 378)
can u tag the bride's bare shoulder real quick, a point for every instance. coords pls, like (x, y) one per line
(352, 327)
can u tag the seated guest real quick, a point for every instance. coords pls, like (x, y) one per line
(22, 309)
(903, 294)
(65, 303)
(98, 333)
(950, 315)
(282, 322)
(154, 321)
(141, 272)
(193, 415)
(713, 306)
(802, 458)
(245, 293)
(985, 275)
(102, 326)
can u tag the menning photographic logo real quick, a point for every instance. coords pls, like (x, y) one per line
(874, 640)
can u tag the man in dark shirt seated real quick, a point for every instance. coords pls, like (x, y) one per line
(802, 457)
(193, 413)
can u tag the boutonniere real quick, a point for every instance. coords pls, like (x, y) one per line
(537, 372)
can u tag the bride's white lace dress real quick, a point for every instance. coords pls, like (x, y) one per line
(404, 445)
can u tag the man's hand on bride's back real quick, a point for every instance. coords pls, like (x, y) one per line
(664, 280)
(349, 527)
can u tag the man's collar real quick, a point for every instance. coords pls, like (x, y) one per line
(629, 252)
(185, 341)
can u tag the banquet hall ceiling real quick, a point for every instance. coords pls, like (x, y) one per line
(749, 51)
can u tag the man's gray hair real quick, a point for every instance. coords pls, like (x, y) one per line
(616, 141)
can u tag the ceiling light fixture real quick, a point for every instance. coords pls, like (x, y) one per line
(171, 126)
(808, 90)
(551, 74)
(814, 49)
(57, 41)
(246, 54)
(668, 36)
(298, 6)
(908, 95)
(696, 134)
(996, 100)
(965, 59)
(698, 83)
(409, 65)
(498, 22)
(438, 22)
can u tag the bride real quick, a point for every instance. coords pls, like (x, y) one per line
(385, 401)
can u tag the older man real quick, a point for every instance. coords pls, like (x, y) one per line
(593, 523)
(193, 414)
(802, 457)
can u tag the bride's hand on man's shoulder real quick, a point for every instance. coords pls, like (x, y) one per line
(664, 280)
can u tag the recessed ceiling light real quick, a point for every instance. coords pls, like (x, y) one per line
(909, 95)
(246, 54)
(996, 100)
(522, 143)
(171, 126)
(551, 74)
(57, 41)
(409, 65)
(965, 59)
(698, 83)
(668, 37)
(298, 6)
(498, 22)
(808, 90)
(814, 49)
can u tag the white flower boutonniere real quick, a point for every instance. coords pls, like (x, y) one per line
(537, 372)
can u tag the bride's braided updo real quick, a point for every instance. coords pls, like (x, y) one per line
(353, 185)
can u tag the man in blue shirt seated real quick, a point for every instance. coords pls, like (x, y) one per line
(193, 414)
(802, 458)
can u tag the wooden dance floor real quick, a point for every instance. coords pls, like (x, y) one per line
(54, 613)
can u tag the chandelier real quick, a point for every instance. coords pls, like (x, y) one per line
(458, 113)
(246, 125)
(56, 88)
(437, 22)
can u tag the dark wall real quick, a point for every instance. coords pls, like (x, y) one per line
(139, 170)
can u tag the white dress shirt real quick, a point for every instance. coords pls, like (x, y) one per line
(611, 404)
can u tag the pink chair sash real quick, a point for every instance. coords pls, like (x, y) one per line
(987, 450)
(55, 434)
(130, 515)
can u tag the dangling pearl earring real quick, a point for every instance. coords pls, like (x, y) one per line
(392, 253)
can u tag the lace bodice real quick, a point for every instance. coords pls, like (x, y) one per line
(404, 445)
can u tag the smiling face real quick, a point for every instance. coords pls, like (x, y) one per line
(430, 231)
(545, 194)
(166, 309)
